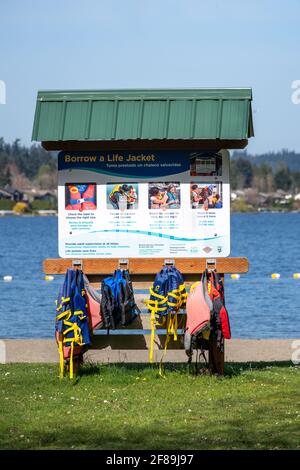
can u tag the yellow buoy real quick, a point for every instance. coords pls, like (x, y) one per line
(296, 275)
(49, 278)
(235, 276)
(275, 276)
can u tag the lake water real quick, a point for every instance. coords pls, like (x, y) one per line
(259, 307)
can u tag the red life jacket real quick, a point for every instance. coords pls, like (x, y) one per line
(217, 296)
(81, 201)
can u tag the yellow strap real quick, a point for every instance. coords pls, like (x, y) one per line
(151, 301)
(62, 315)
(81, 315)
(173, 304)
(77, 333)
(77, 340)
(78, 312)
(172, 324)
(175, 323)
(155, 294)
(152, 320)
(71, 361)
(157, 309)
(161, 366)
(63, 301)
(171, 329)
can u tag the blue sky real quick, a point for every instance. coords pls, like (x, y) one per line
(97, 44)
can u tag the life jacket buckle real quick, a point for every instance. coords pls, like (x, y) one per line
(80, 201)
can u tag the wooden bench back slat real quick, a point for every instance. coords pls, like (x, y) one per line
(144, 268)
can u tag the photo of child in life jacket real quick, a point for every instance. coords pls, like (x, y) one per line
(122, 196)
(81, 197)
(164, 196)
(206, 196)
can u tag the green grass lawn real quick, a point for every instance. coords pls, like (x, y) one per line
(131, 407)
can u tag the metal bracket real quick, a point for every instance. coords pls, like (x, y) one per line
(77, 264)
(123, 263)
(169, 262)
(211, 264)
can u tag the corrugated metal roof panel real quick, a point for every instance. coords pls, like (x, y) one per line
(154, 119)
(234, 119)
(102, 120)
(206, 119)
(128, 120)
(143, 114)
(180, 119)
(50, 118)
(75, 118)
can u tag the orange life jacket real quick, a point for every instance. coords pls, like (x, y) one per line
(81, 197)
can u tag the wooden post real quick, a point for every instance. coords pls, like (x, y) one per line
(216, 357)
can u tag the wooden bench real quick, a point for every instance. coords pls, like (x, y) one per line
(132, 343)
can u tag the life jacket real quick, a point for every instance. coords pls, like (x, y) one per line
(167, 296)
(93, 304)
(118, 305)
(82, 197)
(220, 324)
(206, 313)
(112, 195)
(199, 309)
(72, 323)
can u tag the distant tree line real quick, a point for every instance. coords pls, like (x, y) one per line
(22, 166)
(248, 171)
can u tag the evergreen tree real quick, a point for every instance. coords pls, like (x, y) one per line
(282, 178)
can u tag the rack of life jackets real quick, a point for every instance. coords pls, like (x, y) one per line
(194, 316)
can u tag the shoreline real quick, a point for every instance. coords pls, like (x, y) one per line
(236, 350)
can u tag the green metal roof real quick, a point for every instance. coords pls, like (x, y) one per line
(189, 114)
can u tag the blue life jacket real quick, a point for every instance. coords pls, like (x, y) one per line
(167, 296)
(118, 305)
(158, 302)
(168, 292)
(72, 323)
